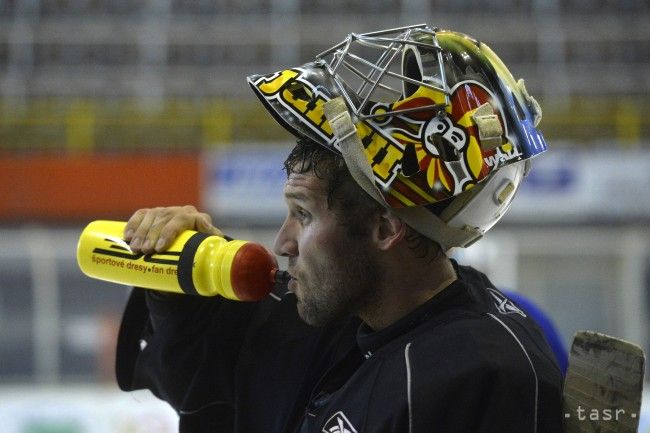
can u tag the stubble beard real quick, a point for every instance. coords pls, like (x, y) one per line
(341, 290)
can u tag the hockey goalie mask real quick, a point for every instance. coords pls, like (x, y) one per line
(425, 120)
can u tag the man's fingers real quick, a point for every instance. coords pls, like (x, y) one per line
(204, 225)
(133, 224)
(190, 219)
(140, 232)
(163, 220)
(154, 230)
(172, 227)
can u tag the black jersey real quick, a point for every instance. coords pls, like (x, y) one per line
(468, 360)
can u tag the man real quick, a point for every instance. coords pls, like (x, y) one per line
(411, 141)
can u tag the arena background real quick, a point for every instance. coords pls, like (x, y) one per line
(111, 105)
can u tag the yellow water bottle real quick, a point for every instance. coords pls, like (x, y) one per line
(195, 264)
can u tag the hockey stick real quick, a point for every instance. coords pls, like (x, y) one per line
(603, 385)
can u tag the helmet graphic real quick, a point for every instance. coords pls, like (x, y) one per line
(430, 123)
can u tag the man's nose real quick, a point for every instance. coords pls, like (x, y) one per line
(285, 243)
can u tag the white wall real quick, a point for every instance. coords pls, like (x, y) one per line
(83, 409)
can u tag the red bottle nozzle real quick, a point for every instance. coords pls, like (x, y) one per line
(251, 268)
(280, 278)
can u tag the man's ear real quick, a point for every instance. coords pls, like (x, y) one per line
(389, 231)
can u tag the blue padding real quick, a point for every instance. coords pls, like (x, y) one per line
(544, 321)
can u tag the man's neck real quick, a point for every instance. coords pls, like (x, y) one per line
(405, 289)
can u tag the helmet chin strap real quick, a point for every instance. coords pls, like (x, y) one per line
(419, 218)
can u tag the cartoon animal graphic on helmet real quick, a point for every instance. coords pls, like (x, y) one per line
(430, 123)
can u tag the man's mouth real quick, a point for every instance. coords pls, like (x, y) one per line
(293, 282)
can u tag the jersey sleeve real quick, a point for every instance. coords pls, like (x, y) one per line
(225, 365)
(184, 349)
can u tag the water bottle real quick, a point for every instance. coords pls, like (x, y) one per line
(195, 264)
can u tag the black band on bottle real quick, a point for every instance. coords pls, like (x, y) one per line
(186, 263)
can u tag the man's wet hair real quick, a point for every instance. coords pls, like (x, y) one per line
(352, 205)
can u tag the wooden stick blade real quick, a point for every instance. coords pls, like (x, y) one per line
(603, 385)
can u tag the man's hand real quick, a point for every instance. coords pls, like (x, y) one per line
(154, 230)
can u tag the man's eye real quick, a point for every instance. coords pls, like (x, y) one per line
(302, 214)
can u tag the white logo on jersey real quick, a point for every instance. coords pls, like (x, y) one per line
(338, 423)
(503, 304)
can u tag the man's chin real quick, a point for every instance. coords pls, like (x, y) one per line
(316, 318)
(306, 316)
(310, 317)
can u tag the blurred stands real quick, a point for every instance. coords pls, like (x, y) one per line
(169, 74)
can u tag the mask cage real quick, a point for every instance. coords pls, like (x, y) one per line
(386, 66)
